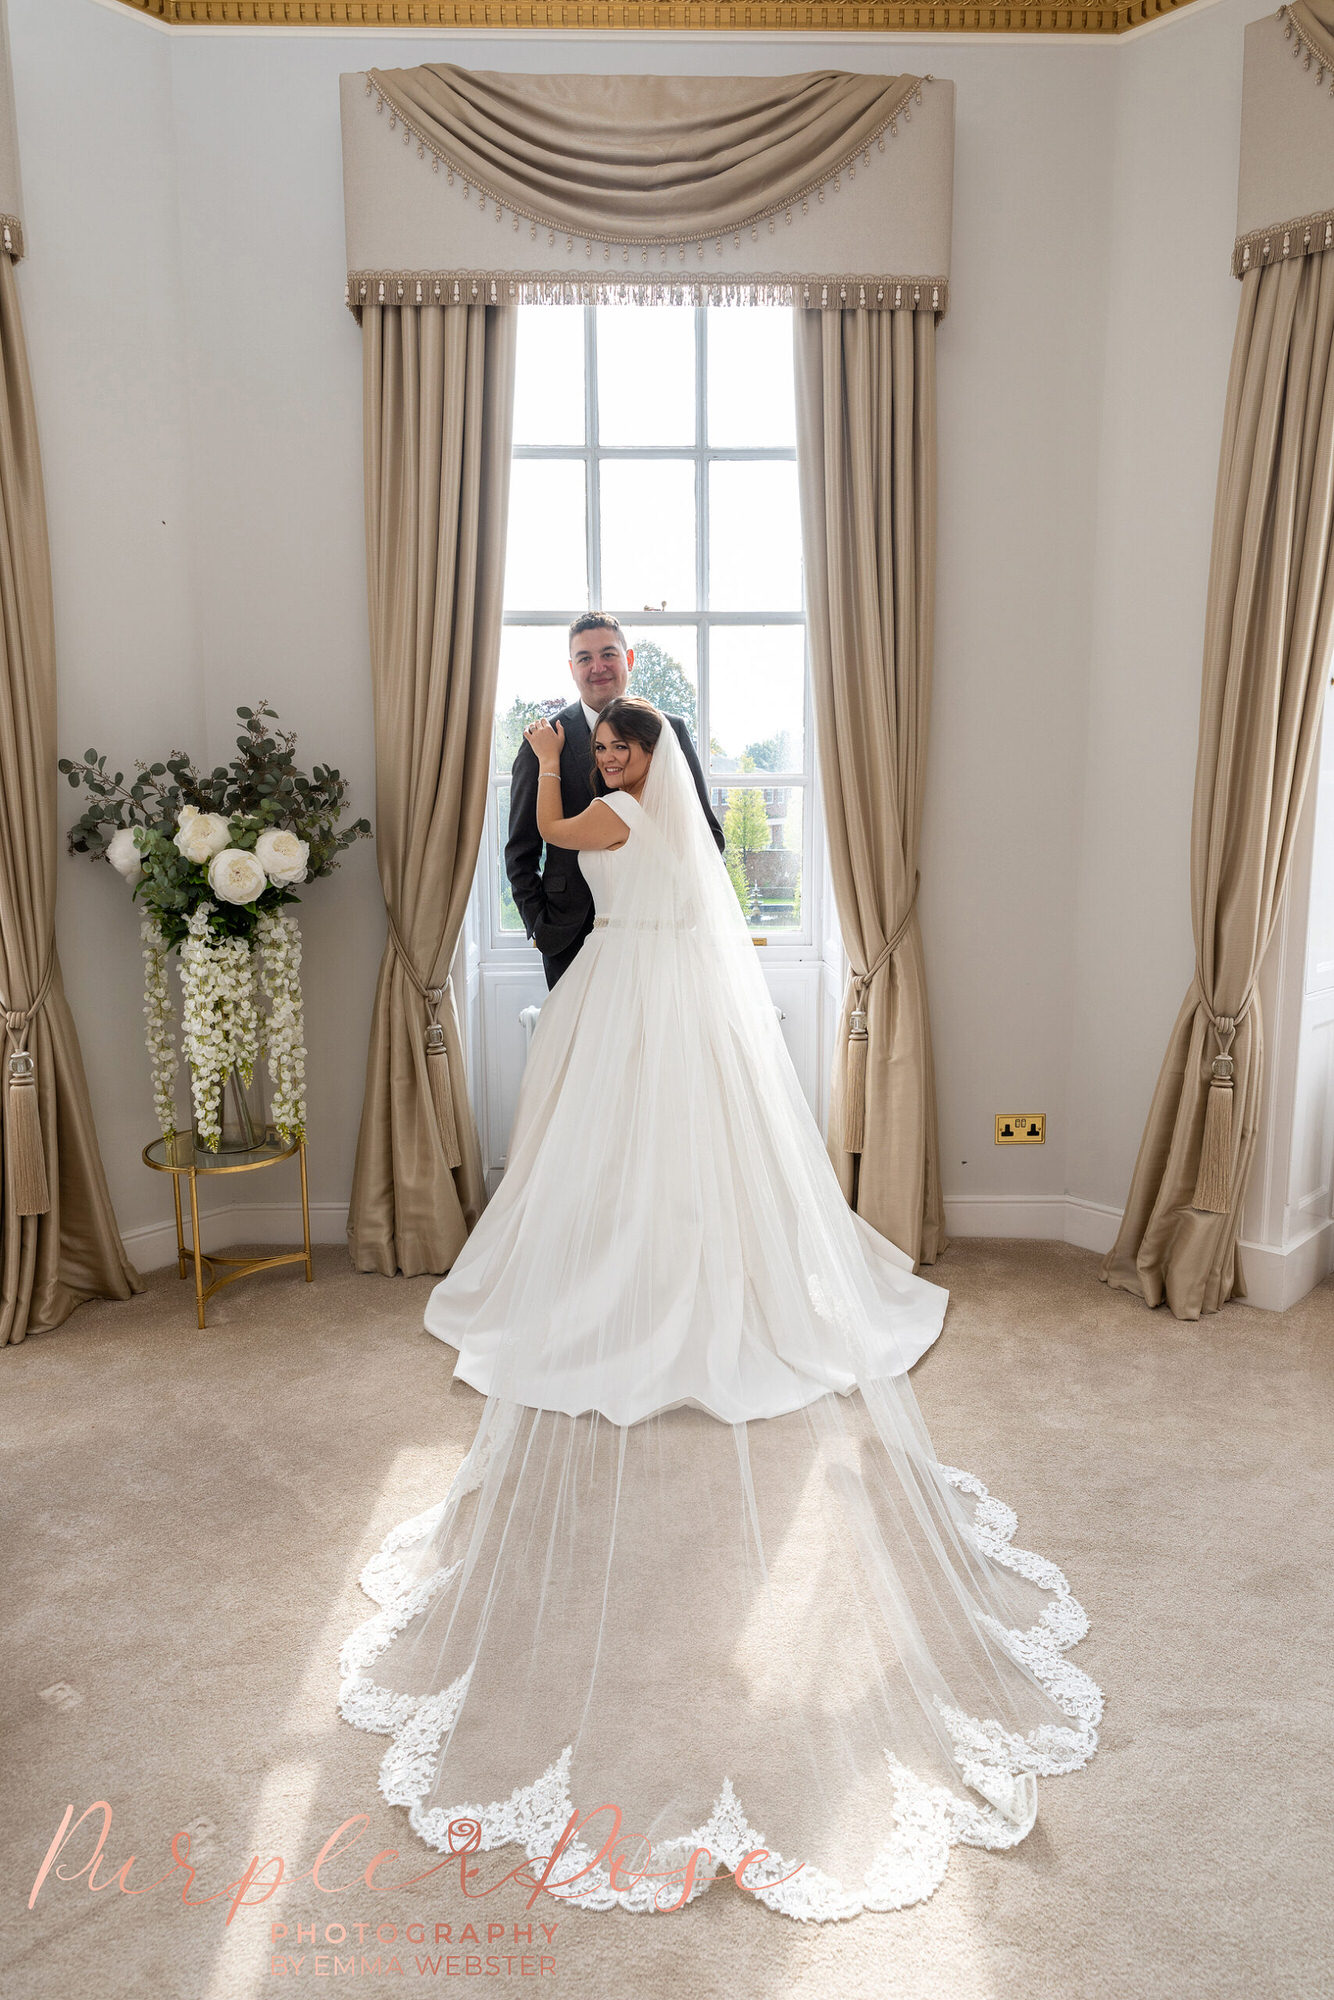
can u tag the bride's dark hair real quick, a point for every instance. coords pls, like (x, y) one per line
(637, 720)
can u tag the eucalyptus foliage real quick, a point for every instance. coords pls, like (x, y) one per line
(262, 789)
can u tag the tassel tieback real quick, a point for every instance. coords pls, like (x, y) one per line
(854, 1084)
(854, 1072)
(28, 1186)
(437, 1071)
(437, 1055)
(1213, 1182)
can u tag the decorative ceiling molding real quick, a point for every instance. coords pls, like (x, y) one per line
(1080, 17)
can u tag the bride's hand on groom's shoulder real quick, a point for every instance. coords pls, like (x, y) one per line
(546, 741)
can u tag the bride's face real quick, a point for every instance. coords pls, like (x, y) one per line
(622, 764)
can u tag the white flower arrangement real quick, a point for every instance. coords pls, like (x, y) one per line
(236, 876)
(213, 858)
(282, 855)
(220, 1021)
(280, 977)
(199, 835)
(157, 1013)
(123, 854)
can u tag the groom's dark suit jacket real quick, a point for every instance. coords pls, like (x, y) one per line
(554, 900)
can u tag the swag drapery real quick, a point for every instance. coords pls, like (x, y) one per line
(1269, 632)
(58, 1239)
(467, 193)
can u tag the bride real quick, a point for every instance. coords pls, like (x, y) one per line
(701, 1599)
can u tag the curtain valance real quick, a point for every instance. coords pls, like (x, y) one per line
(1285, 194)
(828, 188)
(11, 225)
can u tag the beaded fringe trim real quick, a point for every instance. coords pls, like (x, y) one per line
(1302, 45)
(11, 235)
(1307, 236)
(429, 148)
(553, 288)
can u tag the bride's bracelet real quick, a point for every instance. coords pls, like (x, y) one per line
(547, 774)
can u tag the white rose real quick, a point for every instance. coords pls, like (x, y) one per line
(235, 876)
(124, 855)
(200, 836)
(282, 856)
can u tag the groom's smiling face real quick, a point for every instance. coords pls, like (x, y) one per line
(600, 665)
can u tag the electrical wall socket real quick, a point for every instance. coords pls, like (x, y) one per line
(1021, 1128)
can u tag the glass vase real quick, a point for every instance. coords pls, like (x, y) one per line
(242, 1114)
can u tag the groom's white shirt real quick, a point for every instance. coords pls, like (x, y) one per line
(590, 715)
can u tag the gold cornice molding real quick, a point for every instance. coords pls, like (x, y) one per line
(1080, 17)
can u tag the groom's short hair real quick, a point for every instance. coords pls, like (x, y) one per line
(594, 621)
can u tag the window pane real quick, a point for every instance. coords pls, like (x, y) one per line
(757, 697)
(549, 376)
(648, 534)
(763, 830)
(546, 563)
(754, 536)
(510, 920)
(646, 375)
(666, 670)
(534, 680)
(752, 399)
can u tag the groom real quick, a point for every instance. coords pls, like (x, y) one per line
(554, 900)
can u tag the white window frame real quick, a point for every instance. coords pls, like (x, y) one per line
(797, 946)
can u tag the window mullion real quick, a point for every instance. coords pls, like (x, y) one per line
(702, 527)
(593, 481)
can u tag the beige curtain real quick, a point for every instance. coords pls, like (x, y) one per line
(58, 1239)
(1269, 628)
(645, 159)
(866, 449)
(438, 403)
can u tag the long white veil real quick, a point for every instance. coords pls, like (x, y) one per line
(701, 1564)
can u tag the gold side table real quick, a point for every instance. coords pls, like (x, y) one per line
(180, 1158)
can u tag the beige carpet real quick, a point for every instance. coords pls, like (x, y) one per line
(185, 1515)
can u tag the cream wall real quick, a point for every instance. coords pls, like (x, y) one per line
(1170, 318)
(199, 394)
(1163, 363)
(102, 302)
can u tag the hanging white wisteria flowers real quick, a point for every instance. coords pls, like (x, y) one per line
(280, 976)
(220, 1024)
(213, 858)
(157, 1015)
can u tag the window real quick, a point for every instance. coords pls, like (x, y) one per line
(655, 477)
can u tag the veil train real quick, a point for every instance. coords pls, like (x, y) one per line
(701, 1575)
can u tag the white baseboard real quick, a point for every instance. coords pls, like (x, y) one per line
(154, 1244)
(1054, 1218)
(1276, 1279)
(1006, 1215)
(1091, 1224)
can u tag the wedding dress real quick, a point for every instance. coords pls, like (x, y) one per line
(701, 1567)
